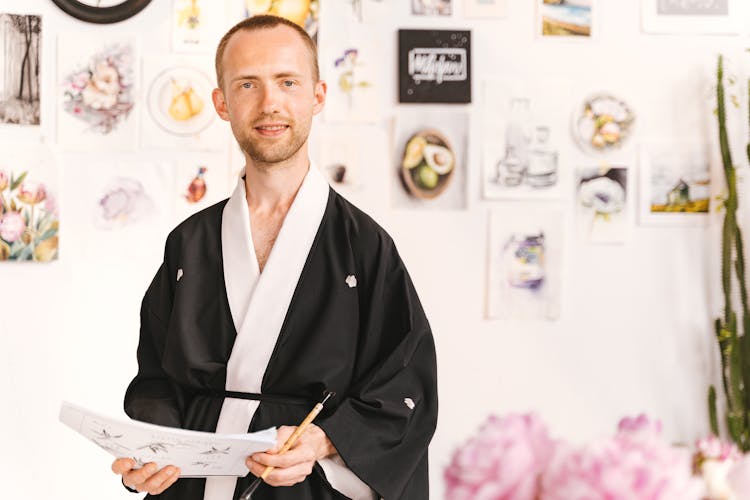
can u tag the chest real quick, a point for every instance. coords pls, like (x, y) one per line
(265, 230)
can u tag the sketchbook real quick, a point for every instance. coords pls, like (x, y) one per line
(197, 454)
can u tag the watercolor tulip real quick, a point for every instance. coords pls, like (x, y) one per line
(32, 193)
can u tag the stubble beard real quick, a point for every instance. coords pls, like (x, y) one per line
(266, 155)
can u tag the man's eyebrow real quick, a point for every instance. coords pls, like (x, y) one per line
(283, 74)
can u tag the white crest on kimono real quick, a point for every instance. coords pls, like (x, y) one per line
(179, 274)
(351, 280)
(409, 402)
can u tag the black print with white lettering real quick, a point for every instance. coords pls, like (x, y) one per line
(434, 66)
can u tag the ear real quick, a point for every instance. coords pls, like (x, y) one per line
(220, 104)
(321, 89)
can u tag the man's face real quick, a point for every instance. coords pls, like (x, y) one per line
(269, 96)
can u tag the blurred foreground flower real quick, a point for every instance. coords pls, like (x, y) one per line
(714, 459)
(502, 462)
(513, 458)
(635, 464)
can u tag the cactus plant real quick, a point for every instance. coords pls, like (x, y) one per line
(733, 338)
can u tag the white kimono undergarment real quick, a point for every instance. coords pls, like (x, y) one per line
(258, 303)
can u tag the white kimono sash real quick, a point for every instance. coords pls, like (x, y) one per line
(258, 303)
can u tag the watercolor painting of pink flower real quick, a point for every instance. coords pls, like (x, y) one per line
(28, 228)
(101, 94)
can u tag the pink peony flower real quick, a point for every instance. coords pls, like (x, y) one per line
(502, 462)
(714, 461)
(714, 448)
(636, 464)
(12, 226)
(640, 427)
(739, 478)
(32, 193)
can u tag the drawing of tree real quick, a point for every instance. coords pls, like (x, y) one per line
(19, 83)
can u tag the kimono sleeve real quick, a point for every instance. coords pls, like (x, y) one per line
(383, 426)
(151, 396)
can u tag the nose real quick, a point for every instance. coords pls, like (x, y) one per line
(270, 103)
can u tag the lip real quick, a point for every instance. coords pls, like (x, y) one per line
(271, 129)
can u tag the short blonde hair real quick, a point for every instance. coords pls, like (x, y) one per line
(265, 22)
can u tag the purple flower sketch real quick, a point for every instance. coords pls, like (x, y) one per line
(346, 65)
(124, 202)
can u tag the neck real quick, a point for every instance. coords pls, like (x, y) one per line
(270, 187)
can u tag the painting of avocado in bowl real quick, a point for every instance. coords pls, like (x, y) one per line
(428, 164)
(429, 153)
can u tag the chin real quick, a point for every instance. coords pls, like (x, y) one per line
(272, 155)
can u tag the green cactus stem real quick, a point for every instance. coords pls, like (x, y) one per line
(733, 343)
(712, 413)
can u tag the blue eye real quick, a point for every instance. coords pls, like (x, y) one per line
(247, 85)
(289, 83)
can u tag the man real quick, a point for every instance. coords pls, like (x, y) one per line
(285, 290)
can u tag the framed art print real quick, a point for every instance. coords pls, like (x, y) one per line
(675, 184)
(97, 92)
(92, 11)
(431, 7)
(525, 262)
(524, 127)
(197, 25)
(602, 204)
(572, 19)
(434, 66)
(350, 63)
(304, 13)
(430, 171)
(692, 16)
(29, 209)
(20, 85)
(179, 113)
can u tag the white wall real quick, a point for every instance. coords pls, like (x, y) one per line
(635, 329)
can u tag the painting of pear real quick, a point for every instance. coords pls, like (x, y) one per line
(185, 102)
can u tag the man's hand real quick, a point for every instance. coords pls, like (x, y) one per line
(296, 464)
(146, 479)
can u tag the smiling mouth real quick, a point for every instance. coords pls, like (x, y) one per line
(271, 130)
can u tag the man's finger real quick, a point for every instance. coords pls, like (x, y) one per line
(169, 482)
(290, 475)
(282, 434)
(288, 459)
(135, 478)
(158, 482)
(123, 465)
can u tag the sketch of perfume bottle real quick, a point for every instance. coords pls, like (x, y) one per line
(511, 169)
(524, 259)
(542, 170)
